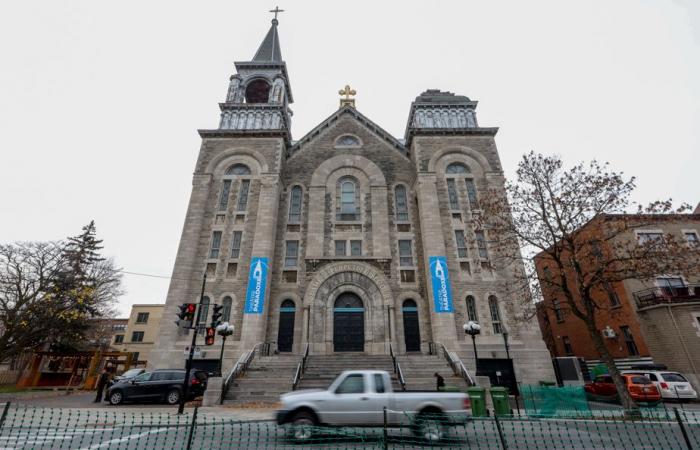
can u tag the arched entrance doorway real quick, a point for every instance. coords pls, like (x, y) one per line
(285, 333)
(348, 323)
(411, 329)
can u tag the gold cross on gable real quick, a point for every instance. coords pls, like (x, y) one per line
(276, 11)
(347, 92)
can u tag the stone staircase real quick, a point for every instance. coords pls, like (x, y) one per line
(266, 379)
(419, 372)
(321, 370)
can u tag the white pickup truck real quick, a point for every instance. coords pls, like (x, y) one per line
(358, 398)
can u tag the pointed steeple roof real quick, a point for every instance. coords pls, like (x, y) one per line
(269, 50)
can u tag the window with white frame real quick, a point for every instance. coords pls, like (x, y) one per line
(295, 205)
(292, 254)
(401, 203)
(405, 253)
(226, 312)
(215, 245)
(495, 315)
(691, 237)
(236, 244)
(349, 200)
(471, 309)
(644, 237)
(461, 244)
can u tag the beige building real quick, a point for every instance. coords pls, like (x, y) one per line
(139, 334)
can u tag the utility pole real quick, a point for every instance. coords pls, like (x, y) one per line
(188, 365)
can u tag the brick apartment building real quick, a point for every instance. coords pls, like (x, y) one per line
(642, 320)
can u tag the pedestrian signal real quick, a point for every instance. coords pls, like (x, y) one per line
(211, 334)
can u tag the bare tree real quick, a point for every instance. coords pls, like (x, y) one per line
(50, 290)
(26, 273)
(574, 226)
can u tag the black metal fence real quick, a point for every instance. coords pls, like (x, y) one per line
(26, 427)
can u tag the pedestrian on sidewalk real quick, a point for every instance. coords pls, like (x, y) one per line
(102, 382)
(440, 382)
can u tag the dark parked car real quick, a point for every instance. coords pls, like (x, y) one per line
(162, 385)
(126, 376)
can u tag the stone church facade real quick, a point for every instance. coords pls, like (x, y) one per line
(347, 239)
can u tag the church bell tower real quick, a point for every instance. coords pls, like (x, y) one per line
(259, 93)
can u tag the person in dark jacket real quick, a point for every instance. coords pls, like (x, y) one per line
(102, 382)
(440, 382)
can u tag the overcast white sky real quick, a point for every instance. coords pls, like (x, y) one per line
(100, 100)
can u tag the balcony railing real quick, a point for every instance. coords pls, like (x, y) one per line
(667, 295)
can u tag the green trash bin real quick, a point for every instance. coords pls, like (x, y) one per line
(501, 404)
(477, 395)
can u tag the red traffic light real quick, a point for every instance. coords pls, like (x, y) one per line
(211, 334)
(191, 307)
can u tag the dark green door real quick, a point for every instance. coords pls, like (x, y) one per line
(285, 335)
(348, 324)
(411, 329)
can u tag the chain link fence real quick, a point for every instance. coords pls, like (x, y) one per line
(26, 427)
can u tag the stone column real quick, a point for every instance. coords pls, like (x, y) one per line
(317, 209)
(254, 325)
(186, 282)
(380, 222)
(433, 240)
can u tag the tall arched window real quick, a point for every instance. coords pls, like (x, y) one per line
(232, 171)
(295, 205)
(401, 203)
(226, 312)
(204, 305)
(348, 200)
(495, 315)
(471, 309)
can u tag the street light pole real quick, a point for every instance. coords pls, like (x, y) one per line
(472, 329)
(505, 341)
(188, 365)
(224, 330)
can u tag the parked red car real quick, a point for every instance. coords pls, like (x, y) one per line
(640, 388)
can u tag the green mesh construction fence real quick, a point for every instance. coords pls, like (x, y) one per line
(24, 427)
(553, 401)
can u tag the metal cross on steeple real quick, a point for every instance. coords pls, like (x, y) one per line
(277, 10)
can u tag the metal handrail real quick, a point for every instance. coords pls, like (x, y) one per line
(456, 364)
(238, 369)
(399, 373)
(301, 367)
(397, 367)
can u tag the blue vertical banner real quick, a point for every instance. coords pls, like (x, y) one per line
(257, 283)
(440, 278)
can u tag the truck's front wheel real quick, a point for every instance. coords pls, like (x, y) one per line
(430, 426)
(303, 424)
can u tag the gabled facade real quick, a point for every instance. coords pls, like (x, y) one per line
(347, 239)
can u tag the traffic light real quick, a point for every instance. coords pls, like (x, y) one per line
(216, 315)
(186, 314)
(211, 334)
